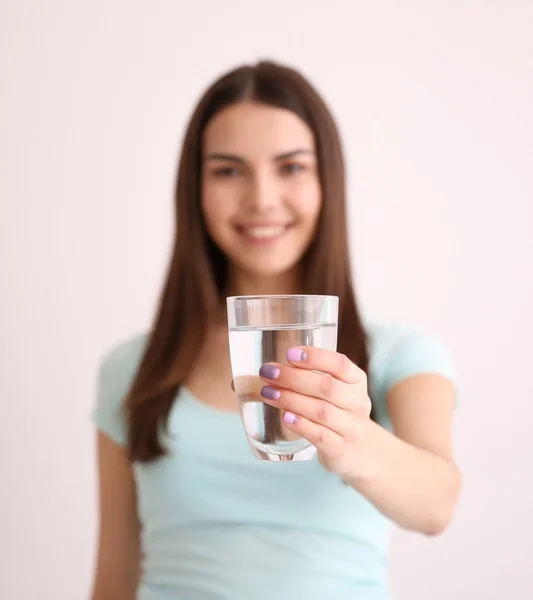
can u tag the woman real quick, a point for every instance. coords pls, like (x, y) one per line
(186, 511)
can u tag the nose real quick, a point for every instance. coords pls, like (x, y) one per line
(263, 193)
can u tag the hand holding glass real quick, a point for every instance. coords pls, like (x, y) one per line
(261, 330)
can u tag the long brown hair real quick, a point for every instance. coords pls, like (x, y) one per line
(196, 277)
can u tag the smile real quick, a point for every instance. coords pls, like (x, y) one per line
(263, 233)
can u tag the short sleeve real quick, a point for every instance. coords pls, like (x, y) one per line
(398, 352)
(417, 353)
(115, 376)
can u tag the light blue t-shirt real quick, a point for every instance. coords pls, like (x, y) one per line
(217, 524)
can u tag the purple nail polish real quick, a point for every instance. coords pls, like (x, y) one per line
(270, 393)
(290, 418)
(269, 372)
(296, 355)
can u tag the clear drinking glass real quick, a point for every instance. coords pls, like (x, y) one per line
(261, 330)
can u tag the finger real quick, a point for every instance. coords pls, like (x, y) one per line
(321, 412)
(327, 361)
(309, 383)
(324, 439)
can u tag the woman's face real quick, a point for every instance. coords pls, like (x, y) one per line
(261, 193)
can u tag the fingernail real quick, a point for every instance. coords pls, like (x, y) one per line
(269, 372)
(296, 355)
(290, 418)
(270, 393)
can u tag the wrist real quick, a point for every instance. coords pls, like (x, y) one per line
(364, 465)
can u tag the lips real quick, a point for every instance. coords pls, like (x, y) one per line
(263, 233)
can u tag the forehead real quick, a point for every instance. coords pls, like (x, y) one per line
(255, 130)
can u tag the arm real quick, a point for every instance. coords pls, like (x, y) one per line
(410, 476)
(118, 561)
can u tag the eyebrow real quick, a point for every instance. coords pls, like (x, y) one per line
(240, 160)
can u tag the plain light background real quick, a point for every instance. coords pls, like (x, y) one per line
(435, 104)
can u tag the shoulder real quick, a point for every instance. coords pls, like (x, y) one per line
(122, 359)
(116, 372)
(399, 351)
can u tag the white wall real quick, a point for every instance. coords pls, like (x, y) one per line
(435, 103)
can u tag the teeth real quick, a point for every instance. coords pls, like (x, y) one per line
(264, 232)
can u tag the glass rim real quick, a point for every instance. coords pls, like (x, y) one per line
(282, 296)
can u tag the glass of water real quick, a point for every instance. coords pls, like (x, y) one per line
(261, 330)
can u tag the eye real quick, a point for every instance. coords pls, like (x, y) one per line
(292, 168)
(226, 172)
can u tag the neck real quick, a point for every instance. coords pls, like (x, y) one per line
(242, 284)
